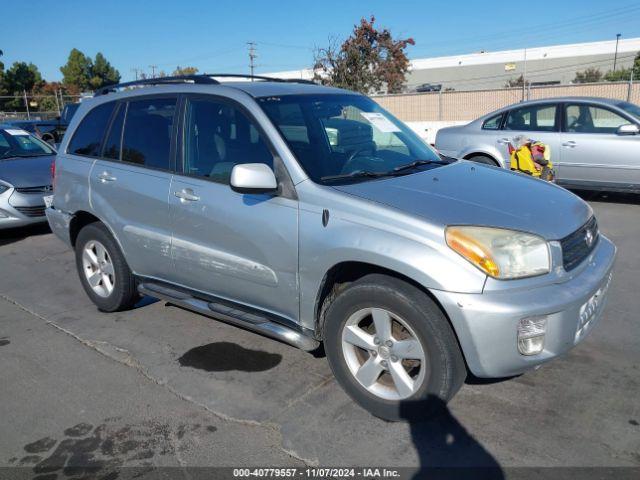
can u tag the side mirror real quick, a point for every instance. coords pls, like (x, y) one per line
(253, 178)
(628, 129)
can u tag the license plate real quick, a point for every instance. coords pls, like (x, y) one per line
(48, 201)
(590, 310)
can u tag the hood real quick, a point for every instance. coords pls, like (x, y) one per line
(26, 171)
(465, 193)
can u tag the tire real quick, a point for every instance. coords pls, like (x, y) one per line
(123, 293)
(435, 380)
(483, 159)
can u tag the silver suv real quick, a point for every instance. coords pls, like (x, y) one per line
(309, 214)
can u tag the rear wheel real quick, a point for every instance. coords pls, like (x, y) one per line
(391, 348)
(483, 159)
(103, 271)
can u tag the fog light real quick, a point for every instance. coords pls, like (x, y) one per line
(531, 331)
(3, 214)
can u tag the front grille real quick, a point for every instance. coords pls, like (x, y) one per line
(40, 189)
(577, 246)
(31, 211)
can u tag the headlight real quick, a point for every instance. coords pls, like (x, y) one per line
(3, 188)
(501, 253)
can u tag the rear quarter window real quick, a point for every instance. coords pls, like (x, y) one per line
(87, 138)
(492, 123)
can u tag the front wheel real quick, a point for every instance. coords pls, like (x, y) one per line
(392, 349)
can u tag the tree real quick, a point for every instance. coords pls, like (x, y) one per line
(102, 73)
(366, 61)
(515, 82)
(184, 71)
(76, 73)
(22, 77)
(80, 73)
(589, 75)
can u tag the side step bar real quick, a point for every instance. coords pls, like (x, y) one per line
(249, 319)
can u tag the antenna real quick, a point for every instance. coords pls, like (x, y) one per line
(153, 70)
(252, 56)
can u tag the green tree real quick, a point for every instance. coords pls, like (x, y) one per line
(367, 61)
(102, 73)
(76, 73)
(184, 71)
(22, 77)
(589, 75)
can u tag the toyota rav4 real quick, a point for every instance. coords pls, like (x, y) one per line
(309, 214)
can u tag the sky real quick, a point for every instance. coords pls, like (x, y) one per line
(213, 35)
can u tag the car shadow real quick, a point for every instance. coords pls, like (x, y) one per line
(12, 235)
(608, 197)
(445, 448)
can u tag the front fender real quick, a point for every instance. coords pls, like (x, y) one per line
(345, 239)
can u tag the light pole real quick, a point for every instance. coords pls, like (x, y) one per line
(615, 56)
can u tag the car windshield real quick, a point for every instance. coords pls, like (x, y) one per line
(347, 138)
(15, 142)
(630, 108)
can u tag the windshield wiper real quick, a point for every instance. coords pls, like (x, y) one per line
(418, 163)
(357, 174)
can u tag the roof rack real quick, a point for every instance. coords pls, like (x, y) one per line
(201, 79)
(205, 78)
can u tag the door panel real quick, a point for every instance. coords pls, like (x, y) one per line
(592, 152)
(242, 247)
(133, 202)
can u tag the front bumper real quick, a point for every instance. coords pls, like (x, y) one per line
(20, 210)
(486, 324)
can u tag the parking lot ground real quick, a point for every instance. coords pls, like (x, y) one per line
(151, 375)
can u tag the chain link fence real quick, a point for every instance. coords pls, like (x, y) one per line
(34, 107)
(469, 105)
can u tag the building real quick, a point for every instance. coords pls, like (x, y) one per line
(550, 65)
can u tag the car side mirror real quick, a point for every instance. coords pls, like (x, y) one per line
(628, 129)
(253, 178)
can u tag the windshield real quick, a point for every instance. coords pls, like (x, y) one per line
(15, 142)
(630, 108)
(346, 137)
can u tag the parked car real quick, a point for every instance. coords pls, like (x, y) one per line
(51, 131)
(309, 214)
(429, 87)
(25, 164)
(595, 142)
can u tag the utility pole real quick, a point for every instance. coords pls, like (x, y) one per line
(135, 70)
(615, 56)
(630, 87)
(26, 104)
(524, 75)
(252, 56)
(153, 70)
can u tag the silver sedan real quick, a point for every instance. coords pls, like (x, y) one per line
(595, 142)
(25, 177)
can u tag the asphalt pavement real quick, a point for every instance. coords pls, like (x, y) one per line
(161, 386)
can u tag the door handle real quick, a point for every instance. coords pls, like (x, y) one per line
(186, 195)
(570, 144)
(105, 177)
(503, 140)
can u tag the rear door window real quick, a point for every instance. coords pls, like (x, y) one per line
(87, 138)
(538, 118)
(147, 132)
